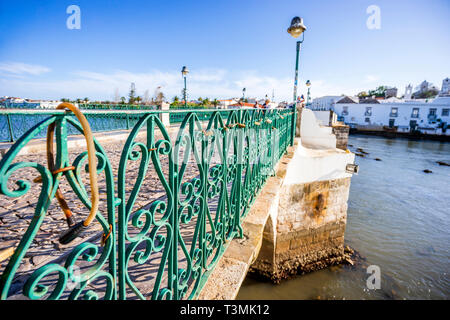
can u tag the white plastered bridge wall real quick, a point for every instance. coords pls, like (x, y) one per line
(313, 135)
(316, 157)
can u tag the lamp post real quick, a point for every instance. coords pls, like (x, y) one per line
(296, 29)
(308, 85)
(243, 95)
(184, 72)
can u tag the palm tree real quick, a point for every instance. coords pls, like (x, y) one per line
(215, 103)
(175, 101)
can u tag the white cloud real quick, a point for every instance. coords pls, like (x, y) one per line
(19, 68)
(211, 83)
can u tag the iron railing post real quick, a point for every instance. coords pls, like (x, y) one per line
(10, 129)
(293, 123)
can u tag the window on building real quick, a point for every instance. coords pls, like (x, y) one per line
(445, 112)
(367, 120)
(433, 111)
(415, 113)
(344, 111)
(391, 123)
(394, 112)
(368, 111)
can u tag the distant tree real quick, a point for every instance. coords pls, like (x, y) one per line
(206, 102)
(378, 92)
(215, 103)
(431, 93)
(86, 100)
(132, 94)
(160, 97)
(122, 100)
(138, 99)
(175, 101)
(362, 94)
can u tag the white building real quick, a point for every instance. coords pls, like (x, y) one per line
(324, 103)
(224, 103)
(425, 115)
(48, 104)
(21, 103)
(445, 91)
(391, 92)
(430, 117)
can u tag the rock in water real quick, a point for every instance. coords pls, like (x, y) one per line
(349, 261)
(427, 171)
(441, 163)
(349, 250)
(377, 159)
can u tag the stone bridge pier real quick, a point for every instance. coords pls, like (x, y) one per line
(297, 223)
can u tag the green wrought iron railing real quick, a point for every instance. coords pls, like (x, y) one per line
(14, 122)
(169, 205)
(109, 106)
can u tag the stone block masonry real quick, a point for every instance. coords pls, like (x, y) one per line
(341, 133)
(310, 230)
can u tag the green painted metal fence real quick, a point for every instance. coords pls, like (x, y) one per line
(208, 174)
(14, 122)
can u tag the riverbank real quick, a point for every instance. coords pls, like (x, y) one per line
(405, 135)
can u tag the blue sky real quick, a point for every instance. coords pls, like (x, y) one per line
(227, 45)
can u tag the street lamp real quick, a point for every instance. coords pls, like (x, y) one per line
(243, 95)
(308, 84)
(296, 29)
(184, 72)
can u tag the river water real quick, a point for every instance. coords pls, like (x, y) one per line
(398, 219)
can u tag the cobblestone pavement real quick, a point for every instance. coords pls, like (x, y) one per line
(16, 214)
